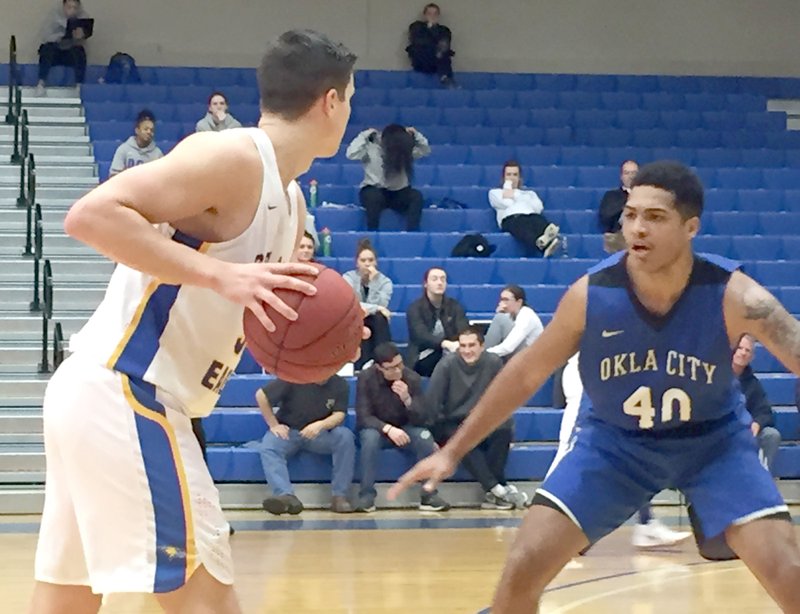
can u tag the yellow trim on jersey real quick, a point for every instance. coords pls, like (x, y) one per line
(129, 330)
(145, 412)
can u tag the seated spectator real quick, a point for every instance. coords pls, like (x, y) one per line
(429, 46)
(388, 159)
(62, 44)
(139, 148)
(374, 290)
(434, 321)
(310, 417)
(519, 213)
(611, 208)
(217, 119)
(515, 326)
(756, 403)
(306, 249)
(458, 381)
(390, 413)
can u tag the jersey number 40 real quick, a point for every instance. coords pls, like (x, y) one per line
(640, 404)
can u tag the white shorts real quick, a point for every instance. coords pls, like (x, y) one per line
(129, 503)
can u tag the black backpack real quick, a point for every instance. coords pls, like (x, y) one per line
(122, 69)
(473, 246)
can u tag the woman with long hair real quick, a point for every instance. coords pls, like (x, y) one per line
(388, 159)
(515, 325)
(374, 290)
(519, 213)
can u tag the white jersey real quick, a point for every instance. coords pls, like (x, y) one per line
(185, 340)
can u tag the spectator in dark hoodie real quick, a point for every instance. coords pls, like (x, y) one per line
(429, 46)
(434, 321)
(140, 147)
(61, 46)
(217, 118)
(458, 381)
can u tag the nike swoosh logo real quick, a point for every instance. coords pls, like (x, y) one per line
(239, 345)
(271, 207)
(611, 333)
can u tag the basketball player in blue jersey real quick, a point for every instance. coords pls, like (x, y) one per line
(654, 326)
(200, 235)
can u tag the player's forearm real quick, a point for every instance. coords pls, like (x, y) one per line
(123, 235)
(508, 391)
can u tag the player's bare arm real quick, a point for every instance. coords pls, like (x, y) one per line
(520, 378)
(208, 187)
(751, 308)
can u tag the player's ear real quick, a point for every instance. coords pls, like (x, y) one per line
(693, 226)
(331, 100)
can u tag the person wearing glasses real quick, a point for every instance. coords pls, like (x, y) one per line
(390, 413)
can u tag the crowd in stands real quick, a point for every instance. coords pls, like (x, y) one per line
(460, 358)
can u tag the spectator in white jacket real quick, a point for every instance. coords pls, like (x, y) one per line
(515, 326)
(519, 212)
(217, 117)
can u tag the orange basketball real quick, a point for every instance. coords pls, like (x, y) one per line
(325, 336)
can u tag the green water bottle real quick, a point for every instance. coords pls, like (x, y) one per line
(327, 242)
(312, 194)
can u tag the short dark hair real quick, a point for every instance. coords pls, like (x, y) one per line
(299, 67)
(431, 5)
(385, 352)
(473, 330)
(428, 272)
(143, 116)
(517, 292)
(308, 235)
(217, 93)
(677, 179)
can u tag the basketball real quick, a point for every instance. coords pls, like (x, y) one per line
(325, 336)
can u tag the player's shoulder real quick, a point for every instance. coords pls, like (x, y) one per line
(713, 269)
(228, 146)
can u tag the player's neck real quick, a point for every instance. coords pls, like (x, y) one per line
(659, 290)
(290, 142)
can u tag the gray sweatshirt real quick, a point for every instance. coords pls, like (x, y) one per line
(54, 27)
(455, 387)
(369, 152)
(130, 154)
(210, 124)
(379, 291)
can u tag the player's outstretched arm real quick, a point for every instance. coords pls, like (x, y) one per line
(520, 378)
(751, 308)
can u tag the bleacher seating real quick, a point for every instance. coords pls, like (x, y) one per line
(570, 133)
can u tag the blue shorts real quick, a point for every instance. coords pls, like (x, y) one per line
(609, 473)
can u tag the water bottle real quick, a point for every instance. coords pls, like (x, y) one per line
(312, 193)
(327, 242)
(564, 247)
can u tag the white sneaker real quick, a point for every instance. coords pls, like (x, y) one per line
(550, 233)
(656, 534)
(518, 498)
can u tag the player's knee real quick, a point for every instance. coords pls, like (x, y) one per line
(526, 567)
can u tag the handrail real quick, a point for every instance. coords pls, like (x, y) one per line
(47, 314)
(27, 177)
(12, 77)
(37, 256)
(16, 115)
(30, 199)
(58, 345)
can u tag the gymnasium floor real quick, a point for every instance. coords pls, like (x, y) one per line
(424, 563)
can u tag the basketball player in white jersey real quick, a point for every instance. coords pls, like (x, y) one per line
(200, 235)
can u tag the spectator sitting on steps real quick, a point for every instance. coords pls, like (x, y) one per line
(61, 44)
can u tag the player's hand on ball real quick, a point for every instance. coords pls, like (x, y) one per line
(281, 431)
(431, 471)
(253, 284)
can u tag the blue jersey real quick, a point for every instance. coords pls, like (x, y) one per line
(643, 371)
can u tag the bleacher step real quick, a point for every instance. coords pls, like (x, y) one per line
(42, 149)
